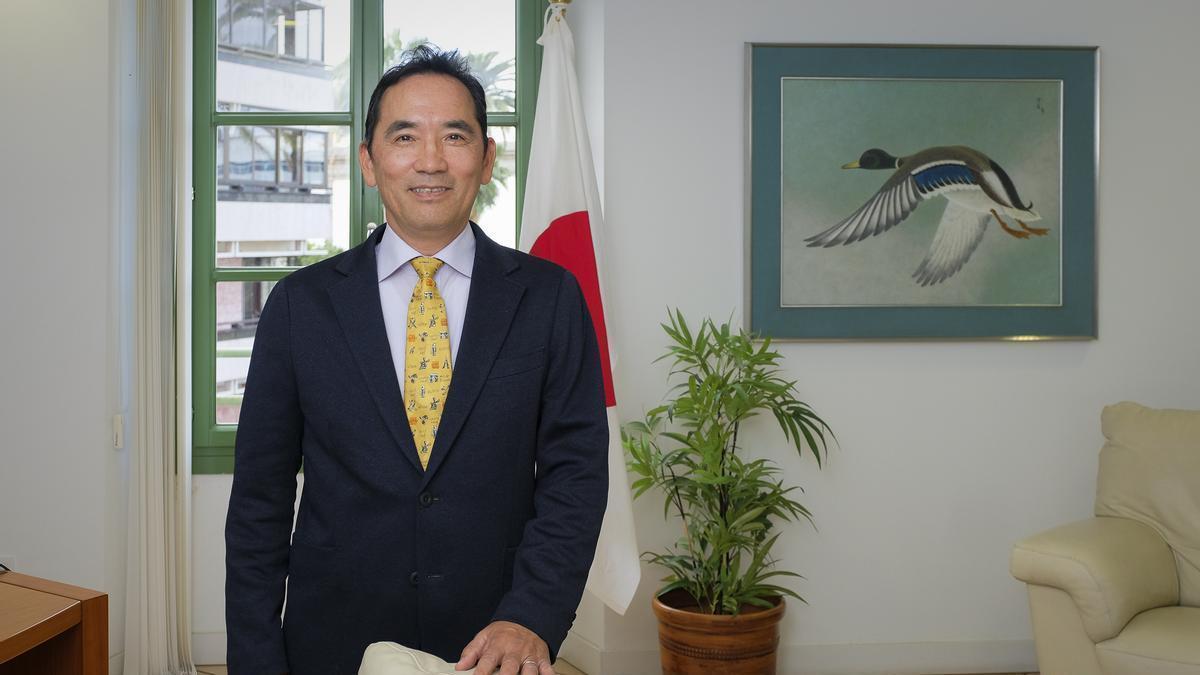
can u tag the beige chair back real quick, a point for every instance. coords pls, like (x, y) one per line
(1150, 472)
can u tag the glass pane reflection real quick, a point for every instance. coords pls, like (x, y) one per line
(496, 204)
(274, 210)
(239, 306)
(283, 55)
(488, 39)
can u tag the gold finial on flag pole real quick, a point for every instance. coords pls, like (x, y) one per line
(561, 6)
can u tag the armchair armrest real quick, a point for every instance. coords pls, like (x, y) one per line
(1113, 568)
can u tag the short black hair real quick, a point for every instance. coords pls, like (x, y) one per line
(426, 58)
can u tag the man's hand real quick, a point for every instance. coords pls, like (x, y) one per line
(511, 647)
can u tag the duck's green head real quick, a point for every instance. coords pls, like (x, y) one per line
(874, 159)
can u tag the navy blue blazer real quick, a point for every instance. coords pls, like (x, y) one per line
(501, 526)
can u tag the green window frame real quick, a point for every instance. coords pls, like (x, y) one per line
(212, 445)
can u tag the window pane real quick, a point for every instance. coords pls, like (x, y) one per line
(496, 204)
(223, 22)
(239, 155)
(315, 160)
(239, 305)
(292, 217)
(274, 18)
(290, 55)
(262, 144)
(222, 154)
(289, 139)
(488, 39)
(246, 19)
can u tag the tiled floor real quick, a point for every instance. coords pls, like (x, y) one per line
(562, 668)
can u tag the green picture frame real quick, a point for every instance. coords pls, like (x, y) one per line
(918, 250)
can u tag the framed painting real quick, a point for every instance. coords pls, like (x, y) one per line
(921, 192)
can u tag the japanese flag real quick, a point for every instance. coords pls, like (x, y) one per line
(561, 221)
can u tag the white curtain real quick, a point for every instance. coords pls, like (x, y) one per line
(158, 584)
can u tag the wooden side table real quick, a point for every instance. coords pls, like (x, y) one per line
(49, 627)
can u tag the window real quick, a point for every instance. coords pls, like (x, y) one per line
(269, 160)
(281, 88)
(283, 28)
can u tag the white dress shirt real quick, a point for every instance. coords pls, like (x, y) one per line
(397, 278)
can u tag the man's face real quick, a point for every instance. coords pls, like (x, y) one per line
(427, 156)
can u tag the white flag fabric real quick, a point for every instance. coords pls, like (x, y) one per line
(562, 222)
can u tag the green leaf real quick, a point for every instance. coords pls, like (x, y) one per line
(689, 449)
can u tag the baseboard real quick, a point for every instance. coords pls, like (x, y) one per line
(208, 648)
(916, 658)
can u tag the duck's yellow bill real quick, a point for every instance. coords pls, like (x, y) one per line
(851, 165)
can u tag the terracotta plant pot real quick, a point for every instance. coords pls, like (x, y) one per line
(693, 643)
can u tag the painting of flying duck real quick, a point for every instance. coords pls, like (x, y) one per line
(921, 192)
(974, 187)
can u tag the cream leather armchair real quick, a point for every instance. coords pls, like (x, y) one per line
(1120, 593)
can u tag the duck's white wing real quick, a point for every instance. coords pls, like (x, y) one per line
(891, 205)
(899, 197)
(958, 235)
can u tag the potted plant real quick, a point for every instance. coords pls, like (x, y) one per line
(720, 607)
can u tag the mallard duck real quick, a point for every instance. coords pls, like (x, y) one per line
(976, 188)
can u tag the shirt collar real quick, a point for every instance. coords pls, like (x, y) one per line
(392, 253)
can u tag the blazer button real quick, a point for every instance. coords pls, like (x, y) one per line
(426, 499)
(414, 579)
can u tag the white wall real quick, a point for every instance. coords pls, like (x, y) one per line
(273, 89)
(949, 451)
(210, 500)
(62, 485)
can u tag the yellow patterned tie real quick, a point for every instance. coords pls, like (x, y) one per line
(427, 362)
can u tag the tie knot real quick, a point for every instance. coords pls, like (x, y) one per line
(426, 267)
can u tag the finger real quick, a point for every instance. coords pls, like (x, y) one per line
(470, 654)
(531, 666)
(543, 657)
(488, 663)
(510, 664)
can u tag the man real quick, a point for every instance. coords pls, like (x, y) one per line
(460, 519)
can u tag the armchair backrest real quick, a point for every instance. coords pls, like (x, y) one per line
(1150, 472)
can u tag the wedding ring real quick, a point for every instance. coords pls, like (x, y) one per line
(530, 660)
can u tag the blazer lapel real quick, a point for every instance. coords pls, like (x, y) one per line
(356, 303)
(491, 305)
